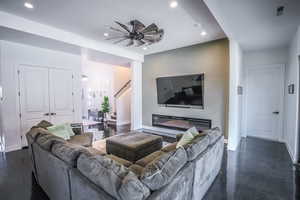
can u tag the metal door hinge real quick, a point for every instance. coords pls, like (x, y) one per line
(19, 93)
(20, 115)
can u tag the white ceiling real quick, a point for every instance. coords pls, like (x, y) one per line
(93, 17)
(42, 42)
(254, 24)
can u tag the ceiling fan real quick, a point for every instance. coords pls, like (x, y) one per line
(138, 34)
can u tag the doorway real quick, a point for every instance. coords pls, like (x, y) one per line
(264, 102)
(49, 97)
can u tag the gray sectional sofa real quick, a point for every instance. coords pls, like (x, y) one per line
(68, 171)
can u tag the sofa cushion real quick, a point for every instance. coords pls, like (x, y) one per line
(162, 170)
(137, 169)
(46, 140)
(33, 134)
(214, 135)
(112, 177)
(85, 139)
(43, 124)
(148, 159)
(197, 146)
(95, 151)
(68, 152)
(169, 147)
(119, 160)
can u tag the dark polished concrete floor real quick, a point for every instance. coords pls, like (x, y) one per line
(260, 170)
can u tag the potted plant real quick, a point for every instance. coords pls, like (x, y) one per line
(105, 107)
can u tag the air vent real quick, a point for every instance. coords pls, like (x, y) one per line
(280, 10)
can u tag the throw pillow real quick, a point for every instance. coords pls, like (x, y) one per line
(185, 139)
(193, 131)
(69, 129)
(62, 130)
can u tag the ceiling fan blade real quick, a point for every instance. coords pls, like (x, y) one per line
(140, 43)
(148, 42)
(137, 25)
(150, 28)
(123, 26)
(130, 43)
(121, 40)
(118, 30)
(116, 37)
(159, 32)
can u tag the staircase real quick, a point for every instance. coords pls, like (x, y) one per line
(113, 118)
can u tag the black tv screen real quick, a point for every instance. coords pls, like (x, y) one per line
(181, 90)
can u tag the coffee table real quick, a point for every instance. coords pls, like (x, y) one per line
(134, 145)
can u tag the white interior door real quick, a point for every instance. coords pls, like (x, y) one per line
(34, 97)
(61, 96)
(264, 102)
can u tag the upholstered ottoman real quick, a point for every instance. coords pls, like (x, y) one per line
(133, 146)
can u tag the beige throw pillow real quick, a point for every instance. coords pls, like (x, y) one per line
(187, 137)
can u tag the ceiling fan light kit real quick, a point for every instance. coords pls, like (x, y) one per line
(137, 34)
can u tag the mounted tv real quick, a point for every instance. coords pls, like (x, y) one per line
(181, 91)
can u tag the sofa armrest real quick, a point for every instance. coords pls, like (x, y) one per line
(85, 139)
(77, 128)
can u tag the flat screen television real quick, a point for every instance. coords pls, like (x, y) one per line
(185, 90)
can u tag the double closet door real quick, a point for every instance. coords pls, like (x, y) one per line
(44, 94)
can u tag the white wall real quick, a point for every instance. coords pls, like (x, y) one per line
(235, 100)
(124, 108)
(1, 126)
(292, 100)
(12, 55)
(100, 83)
(265, 57)
(105, 80)
(136, 96)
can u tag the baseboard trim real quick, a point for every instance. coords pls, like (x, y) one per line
(290, 153)
(12, 148)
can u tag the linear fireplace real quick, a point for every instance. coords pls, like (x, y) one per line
(180, 123)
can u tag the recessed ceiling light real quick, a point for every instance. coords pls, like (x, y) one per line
(173, 4)
(28, 5)
(145, 48)
(203, 33)
(106, 34)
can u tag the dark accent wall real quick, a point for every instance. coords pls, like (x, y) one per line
(211, 58)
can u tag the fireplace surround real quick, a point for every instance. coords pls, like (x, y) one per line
(180, 123)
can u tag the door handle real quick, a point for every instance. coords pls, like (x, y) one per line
(52, 114)
(46, 114)
(276, 112)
